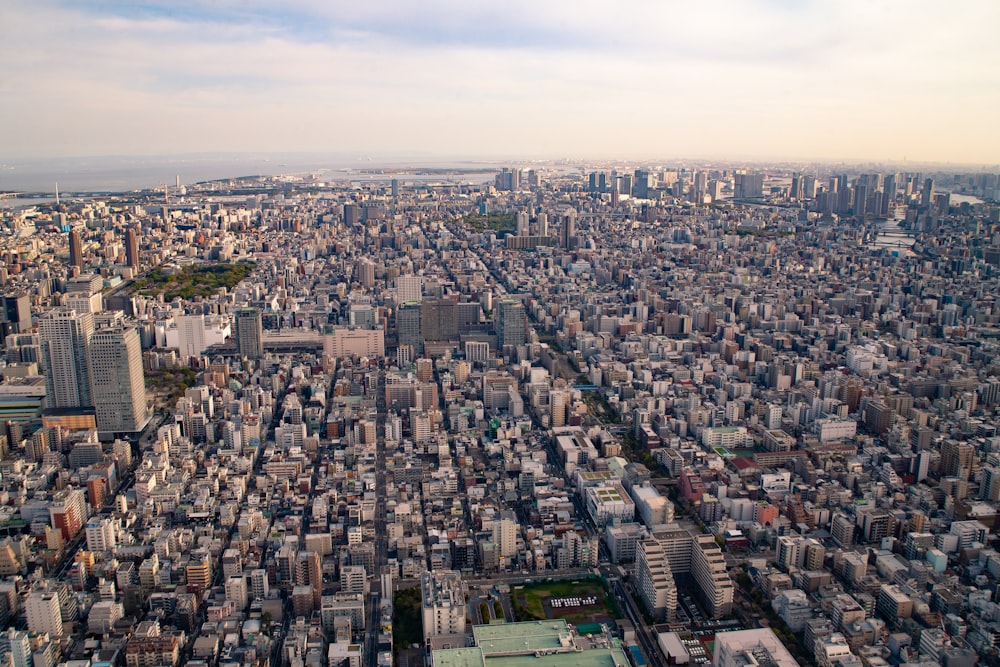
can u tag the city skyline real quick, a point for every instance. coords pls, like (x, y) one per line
(756, 81)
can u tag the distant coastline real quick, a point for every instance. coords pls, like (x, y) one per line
(122, 174)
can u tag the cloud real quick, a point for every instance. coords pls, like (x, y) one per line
(633, 78)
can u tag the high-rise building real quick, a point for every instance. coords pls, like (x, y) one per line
(654, 579)
(408, 288)
(353, 579)
(442, 603)
(118, 387)
(893, 604)
(438, 320)
(309, 572)
(559, 405)
(132, 247)
(508, 179)
(191, 335)
(68, 510)
(511, 323)
(351, 214)
(409, 326)
(75, 249)
(236, 590)
(641, 184)
(18, 646)
(505, 532)
(957, 459)
(522, 223)
(15, 314)
(748, 186)
(100, 535)
(567, 232)
(249, 333)
(365, 272)
(259, 584)
(888, 194)
(927, 194)
(542, 222)
(708, 567)
(43, 613)
(63, 340)
(788, 554)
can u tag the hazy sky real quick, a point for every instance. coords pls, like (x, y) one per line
(832, 79)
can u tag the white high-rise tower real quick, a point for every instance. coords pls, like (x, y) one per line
(63, 337)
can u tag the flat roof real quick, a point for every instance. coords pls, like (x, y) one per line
(459, 657)
(473, 657)
(597, 657)
(525, 637)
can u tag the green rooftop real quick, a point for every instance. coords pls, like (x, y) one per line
(525, 637)
(529, 644)
(459, 657)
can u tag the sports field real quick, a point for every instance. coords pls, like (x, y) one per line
(534, 601)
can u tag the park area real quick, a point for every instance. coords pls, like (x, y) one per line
(584, 601)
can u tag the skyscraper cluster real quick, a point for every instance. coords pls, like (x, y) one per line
(99, 369)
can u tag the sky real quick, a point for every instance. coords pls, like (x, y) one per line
(872, 80)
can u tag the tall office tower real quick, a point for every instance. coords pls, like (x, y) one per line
(508, 180)
(845, 198)
(409, 329)
(809, 186)
(623, 185)
(927, 194)
(351, 214)
(748, 185)
(408, 288)
(468, 317)
(15, 315)
(860, 200)
(700, 185)
(118, 388)
(511, 323)
(438, 321)
(249, 333)
(568, 229)
(888, 194)
(542, 222)
(132, 247)
(75, 248)
(522, 223)
(63, 338)
(42, 609)
(640, 184)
